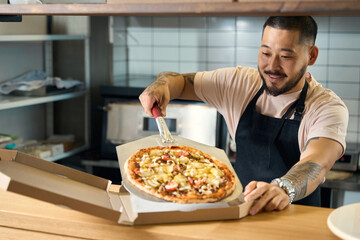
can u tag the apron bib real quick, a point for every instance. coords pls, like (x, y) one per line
(267, 147)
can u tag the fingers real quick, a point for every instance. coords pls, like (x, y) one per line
(308, 76)
(277, 202)
(270, 197)
(250, 187)
(254, 190)
(148, 99)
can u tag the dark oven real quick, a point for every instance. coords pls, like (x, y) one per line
(343, 181)
(350, 160)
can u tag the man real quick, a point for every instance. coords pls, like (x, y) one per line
(288, 129)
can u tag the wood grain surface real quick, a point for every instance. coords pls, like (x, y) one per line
(26, 218)
(191, 8)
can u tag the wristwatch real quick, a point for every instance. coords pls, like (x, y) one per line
(287, 186)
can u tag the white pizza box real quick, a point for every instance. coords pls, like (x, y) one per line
(51, 182)
(148, 209)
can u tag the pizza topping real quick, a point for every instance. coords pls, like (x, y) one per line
(164, 157)
(182, 153)
(171, 186)
(179, 170)
(153, 183)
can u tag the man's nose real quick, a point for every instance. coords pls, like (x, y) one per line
(274, 63)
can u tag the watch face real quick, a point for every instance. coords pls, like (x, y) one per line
(289, 186)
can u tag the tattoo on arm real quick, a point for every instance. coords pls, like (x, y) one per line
(189, 77)
(164, 75)
(301, 174)
(307, 143)
(160, 81)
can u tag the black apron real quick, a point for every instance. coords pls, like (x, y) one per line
(267, 147)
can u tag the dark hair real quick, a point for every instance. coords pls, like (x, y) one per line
(305, 24)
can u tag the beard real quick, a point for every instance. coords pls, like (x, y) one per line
(292, 82)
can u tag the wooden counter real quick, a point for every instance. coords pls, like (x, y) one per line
(26, 218)
(192, 8)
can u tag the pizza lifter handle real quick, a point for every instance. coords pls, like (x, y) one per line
(165, 134)
(156, 111)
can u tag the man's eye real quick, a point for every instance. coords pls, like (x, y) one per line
(266, 54)
(286, 57)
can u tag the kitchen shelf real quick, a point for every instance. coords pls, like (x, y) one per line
(39, 38)
(58, 122)
(8, 102)
(198, 8)
(67, 154)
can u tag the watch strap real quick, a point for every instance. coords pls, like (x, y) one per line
(287, 186)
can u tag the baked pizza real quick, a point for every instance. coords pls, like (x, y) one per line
(179, 174)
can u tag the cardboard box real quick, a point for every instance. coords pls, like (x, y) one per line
(52, 182)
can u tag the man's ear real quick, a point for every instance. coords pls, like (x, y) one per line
(313, 54)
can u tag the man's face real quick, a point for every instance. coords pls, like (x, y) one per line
(282, 60)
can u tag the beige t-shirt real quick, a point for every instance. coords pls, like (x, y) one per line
(230, 90)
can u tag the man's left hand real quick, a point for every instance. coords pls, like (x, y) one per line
(269, 197)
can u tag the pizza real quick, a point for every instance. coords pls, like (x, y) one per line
(179, 174)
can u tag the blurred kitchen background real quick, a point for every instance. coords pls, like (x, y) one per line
(145, 46)
(122, 55)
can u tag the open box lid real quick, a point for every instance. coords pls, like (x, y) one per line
(51, 182)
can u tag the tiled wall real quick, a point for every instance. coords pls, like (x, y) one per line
(145, 46)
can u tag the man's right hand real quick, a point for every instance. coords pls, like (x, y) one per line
(157, 92)
(167, 86)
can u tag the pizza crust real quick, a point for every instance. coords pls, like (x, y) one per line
(192, 196)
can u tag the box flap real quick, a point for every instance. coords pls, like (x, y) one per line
(51, 182)
(26, 159)
(233, 210)
(128, 215)
(4, 181)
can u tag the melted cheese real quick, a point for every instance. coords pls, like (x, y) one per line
(185, 169)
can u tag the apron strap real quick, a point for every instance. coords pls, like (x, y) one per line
(299, 104)
(255, 98)
(300, 107)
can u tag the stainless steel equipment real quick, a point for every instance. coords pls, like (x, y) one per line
(127, 121)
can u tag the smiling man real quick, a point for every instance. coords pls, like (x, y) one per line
(288, 129)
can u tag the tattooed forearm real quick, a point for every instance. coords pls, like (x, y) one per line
(152, 87)
(189, 77)
(307, 143)
(163, 75)
(160, 81)
(174, 82)
(302, 174)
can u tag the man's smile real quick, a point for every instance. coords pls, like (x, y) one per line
(275, 76)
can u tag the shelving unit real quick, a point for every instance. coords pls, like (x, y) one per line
(196, 8)
(68, 154)
(40, 38)
(8, 102)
